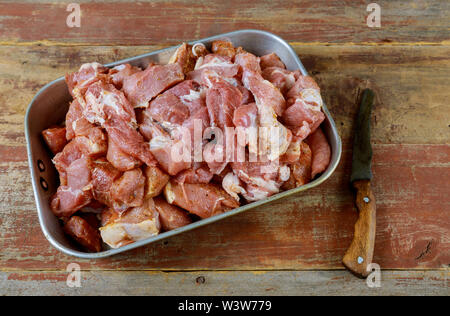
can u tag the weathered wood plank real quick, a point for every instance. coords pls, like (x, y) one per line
(310, 230)
(410, 83)
(144, 23)
(224, 283)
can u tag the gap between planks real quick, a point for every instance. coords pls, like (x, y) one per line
(213, 283)
(8, 270)
(75, 44)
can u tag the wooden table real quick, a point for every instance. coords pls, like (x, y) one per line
(293, 246)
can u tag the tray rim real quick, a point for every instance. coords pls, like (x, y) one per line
(110, 252)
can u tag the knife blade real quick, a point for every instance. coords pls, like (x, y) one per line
(360, 253)
(362, 149)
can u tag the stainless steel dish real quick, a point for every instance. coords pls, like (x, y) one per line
(50, 105)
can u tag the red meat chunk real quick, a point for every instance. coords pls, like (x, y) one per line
(55, 138)
(143, 86)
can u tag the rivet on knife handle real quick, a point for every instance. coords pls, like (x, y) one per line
(360, 253)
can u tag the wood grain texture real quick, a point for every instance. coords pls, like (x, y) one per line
(156, 22)
(311, 230)
(359, 255)
(410, 84)
(406, 62)
(259, 283)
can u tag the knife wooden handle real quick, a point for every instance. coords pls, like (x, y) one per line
(360, 253)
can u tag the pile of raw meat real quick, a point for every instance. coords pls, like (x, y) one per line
(141, 153)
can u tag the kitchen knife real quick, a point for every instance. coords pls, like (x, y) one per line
(360, 253)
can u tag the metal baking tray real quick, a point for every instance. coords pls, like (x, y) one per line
(50, 105)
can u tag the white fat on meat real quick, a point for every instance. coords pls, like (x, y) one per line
(120, 67)
(192, 96)
(290, 78)
(96, 108)
(311, 98)
(255, 194)
(198, 63)
(216, 62)
(97, 105)
(232, 185)
(268, 118)
(284, 173)
(120, 234)
(268, 185)
(196, 47)
(212, 74)
(160, 142)
(274, 146)
(93, 65)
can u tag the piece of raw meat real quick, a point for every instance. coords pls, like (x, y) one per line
(265, 93)
(271, 60)
(321, 152)
(79, 81)
(300, 169)
(76, 123)
(155, 181)
(55, 138)
(303, 118)
(248, 61)
(135, 224)
(130, 141)
(203, 200)
(108, 106)
(92, 142)
(167, 107)
(304, 83)
(293, 152)
(171, 117)
(233, 185)
(222, 99)
(247, 96)
(262, 178)
(79, 174)
(163, 148)
(128, 190)
(178, 106)
(221, 65)
(171, 216)
(281, 78)
(83, 233)
(103, 102)
(66, 201)
(119, 73)
(184, 57)
(143, 86)
(223, 48)
(246, 116)
(191, 94)
(276, 137)
(63, 159)
(103, 176)
(119, 159)
(304, 114)
(199, 173)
